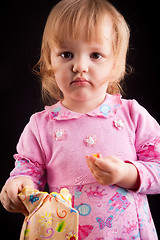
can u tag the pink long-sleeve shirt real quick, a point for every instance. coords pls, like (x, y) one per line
(52, 149)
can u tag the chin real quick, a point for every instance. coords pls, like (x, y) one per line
(82, 98)
(82, 95)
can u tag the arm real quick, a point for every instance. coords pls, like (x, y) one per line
(148, 165)
(29, 168)
(147, 146)
(30, 160)
(144, 173)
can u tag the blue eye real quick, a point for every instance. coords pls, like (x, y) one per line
(67, 55)
(96, 55)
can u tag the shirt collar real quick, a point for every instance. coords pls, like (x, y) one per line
(107, 109)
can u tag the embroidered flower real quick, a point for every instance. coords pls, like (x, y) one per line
(119, 124)
(105, 109)
(60, 134)
(90, 140)
(56, 111)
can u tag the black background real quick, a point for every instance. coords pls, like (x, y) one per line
(21, 28)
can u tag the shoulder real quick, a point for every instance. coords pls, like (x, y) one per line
(36, 122)
(41, 116)
(145, 126)
(132, 106)
(45, 116)
(135, 110)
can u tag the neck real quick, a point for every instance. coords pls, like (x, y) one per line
(83, 106)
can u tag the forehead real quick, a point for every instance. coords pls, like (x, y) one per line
(90, 32)
(106, 29)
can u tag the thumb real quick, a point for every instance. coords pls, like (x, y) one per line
(95, 161)
(27, 181)
(102, 164)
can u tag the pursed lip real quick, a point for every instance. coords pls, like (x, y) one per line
(80, 81)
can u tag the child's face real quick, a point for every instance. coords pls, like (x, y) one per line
(83, 69)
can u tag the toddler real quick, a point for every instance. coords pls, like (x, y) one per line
(103, 148)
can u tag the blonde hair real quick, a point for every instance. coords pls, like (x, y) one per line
(65, 21)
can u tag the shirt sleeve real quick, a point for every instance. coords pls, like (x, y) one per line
(147, 144)
(30, 159)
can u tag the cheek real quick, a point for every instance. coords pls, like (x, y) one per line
(59, 81)
(62, 71)
(105, 73)
(109, 71)
(62, 80)
(104, 78)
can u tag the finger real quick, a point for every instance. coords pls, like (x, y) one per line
(95, 169)
(97, 172)
(93, 161)
(12, 194)
(9, 195)
(100, 176)
(90, 163)
(104, 164)
(20, 208)
(27, 182)
(14, 209)
(9, 205)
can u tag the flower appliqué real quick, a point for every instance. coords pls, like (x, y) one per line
(90, 140)
(60, 135)
(119, 124)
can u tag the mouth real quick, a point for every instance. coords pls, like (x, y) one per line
(79, 81)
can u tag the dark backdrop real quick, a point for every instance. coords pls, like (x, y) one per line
(21, 28)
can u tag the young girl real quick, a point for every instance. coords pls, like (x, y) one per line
(104, 149)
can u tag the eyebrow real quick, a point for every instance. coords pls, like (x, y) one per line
(95, 47)
(65, 45)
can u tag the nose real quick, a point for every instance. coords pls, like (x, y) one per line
(80, 65)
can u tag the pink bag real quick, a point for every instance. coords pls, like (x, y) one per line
(50, 215)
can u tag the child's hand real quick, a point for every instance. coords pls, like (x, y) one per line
(9, 194)
(113, 170)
